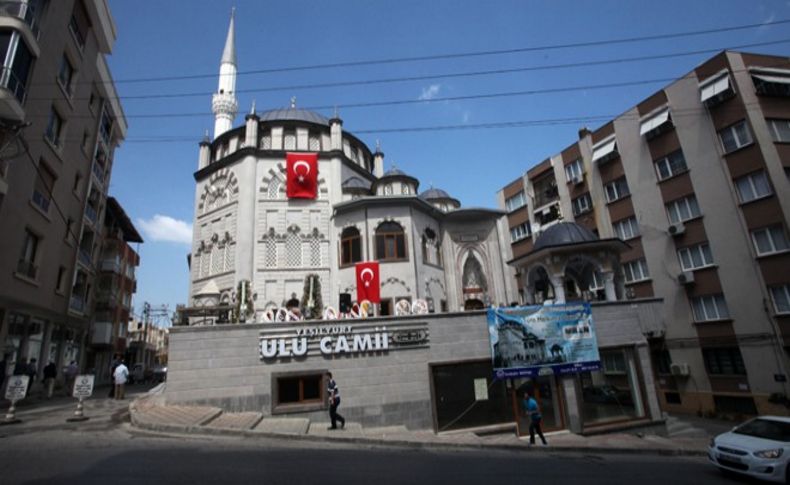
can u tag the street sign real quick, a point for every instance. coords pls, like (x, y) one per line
(16, 388)
(83, 386)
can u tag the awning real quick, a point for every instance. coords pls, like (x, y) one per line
(654, 121)
(719, 85)
(772, 79)
(604, 149)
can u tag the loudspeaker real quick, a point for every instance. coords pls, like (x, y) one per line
(345, 302)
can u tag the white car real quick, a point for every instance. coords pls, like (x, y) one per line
(758, 448)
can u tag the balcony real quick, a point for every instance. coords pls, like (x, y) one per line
(23, 11)
(77, 304)
(112, 265)
(91, 214)
(98, 172)
(27, 268)
(84, 258)
(102, 333)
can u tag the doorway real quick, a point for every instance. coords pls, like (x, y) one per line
(546, 392)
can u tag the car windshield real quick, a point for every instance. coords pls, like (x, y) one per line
(766, 428)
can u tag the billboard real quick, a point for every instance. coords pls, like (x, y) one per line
(534, 341)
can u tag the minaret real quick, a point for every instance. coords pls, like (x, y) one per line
(224, 103)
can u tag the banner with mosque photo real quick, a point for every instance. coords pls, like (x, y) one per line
(532, 341)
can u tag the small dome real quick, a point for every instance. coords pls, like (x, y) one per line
(394, 172)
(564, 233)
(294, 114)
(432, 193)
(355, 184)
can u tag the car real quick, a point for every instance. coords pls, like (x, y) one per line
(160, 373)
(759, 448)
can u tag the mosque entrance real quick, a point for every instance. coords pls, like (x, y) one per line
(474, 304)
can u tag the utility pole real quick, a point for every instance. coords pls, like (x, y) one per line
(146, 323)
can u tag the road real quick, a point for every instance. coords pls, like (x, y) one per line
(45, 449)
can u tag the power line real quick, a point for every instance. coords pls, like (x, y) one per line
(368, 82)
(460, 55)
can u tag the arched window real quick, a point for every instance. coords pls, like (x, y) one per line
(314, 142)
(293, 249)
(315, 251)
(274, 188)
(388, 189)
(390, 242)
(266, 140)
(289, 140)
(350, 246)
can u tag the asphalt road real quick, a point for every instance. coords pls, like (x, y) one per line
(45, 449)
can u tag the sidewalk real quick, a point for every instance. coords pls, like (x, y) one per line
(149, 412)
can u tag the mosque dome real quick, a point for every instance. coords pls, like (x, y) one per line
(563, 233)
(294, 114)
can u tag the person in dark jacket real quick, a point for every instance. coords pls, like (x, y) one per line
(32, 372)
(334, 401)
(50, 373)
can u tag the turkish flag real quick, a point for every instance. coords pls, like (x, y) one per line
(368, 287)
(302, 176)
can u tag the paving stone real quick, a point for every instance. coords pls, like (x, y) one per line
(236, 420)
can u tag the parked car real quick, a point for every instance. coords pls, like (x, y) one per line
(758, 448)
(160, 373)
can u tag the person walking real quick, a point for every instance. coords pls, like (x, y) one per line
(50, 373)
(120, 376)
(334, 402)
(32, 372)
(532, 410)
(71, 375)
(113, 365)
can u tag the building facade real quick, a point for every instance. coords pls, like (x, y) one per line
(248, 234)
(115, 289)
(60, 122)
(695, 180)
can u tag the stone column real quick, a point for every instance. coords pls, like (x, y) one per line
(558, 282)
(205, 153)
(336, 133)
(251, 130)
(608, 285)
(572, 403)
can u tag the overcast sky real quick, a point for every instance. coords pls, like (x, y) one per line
(183, 39)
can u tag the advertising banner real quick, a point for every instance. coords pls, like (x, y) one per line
(534, 341)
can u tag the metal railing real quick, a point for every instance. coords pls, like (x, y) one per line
(27, 268)
(21, 10)
(98, 171)
(85, 257)
(76, 303)
(90, 213)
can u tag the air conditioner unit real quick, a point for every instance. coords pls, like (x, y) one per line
(679, 369)
(676, 229)
(577, 179)
(686, 278)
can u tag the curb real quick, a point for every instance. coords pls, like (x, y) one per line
(398, 443)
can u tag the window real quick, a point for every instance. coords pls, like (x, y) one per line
(431, 251)
(781, 297)
(716, 89)
(390, 242)
(616, 189)
(711, 307)
(635, 271)
(300, 389)
(105, 129)
(513, 203)
(735, 136)
(695, 257)
(656, 124)
(388, 189)
(581, 204)
(626, 228)
(519, 232)
(289, 140)
(15, 53)
(77, 181)
(769, 240)
(671, 165)
(405, 189)
(613, 362)
(65, 74)
(79, 24)
(42, 190)
(574, 171)
(780, 130)
(59, 281)
(724, 361)
(605, 150)
(350, 246)
(772, 82)
(683, 210)
(54, 127)
(753, 186)
(27, 261)
(663, 361)
(314, 142)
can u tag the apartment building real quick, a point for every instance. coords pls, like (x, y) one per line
(60, 123)
(115, 288)
(695, 180)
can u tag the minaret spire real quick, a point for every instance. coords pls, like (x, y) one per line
(224, 103)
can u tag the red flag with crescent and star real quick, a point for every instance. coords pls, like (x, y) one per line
(368, 287)
(302, 175)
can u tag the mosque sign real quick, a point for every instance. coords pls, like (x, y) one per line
(542, 340)
(340, 339)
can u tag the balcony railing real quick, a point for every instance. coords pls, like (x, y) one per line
(10, 81)
(21, 10)
(27, 268)
(90, 213)
(85, 257)
(113, 265)
(98, 171)
(77, 304)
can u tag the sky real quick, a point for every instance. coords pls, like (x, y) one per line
(555, 76)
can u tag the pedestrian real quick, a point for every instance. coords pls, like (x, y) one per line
(532, 410)
(113, 365)
(32, 372)
(120, 375)
(50, 373)
(71, 375)
(334, 402)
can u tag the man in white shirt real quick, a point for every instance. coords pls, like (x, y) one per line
(119, 376)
